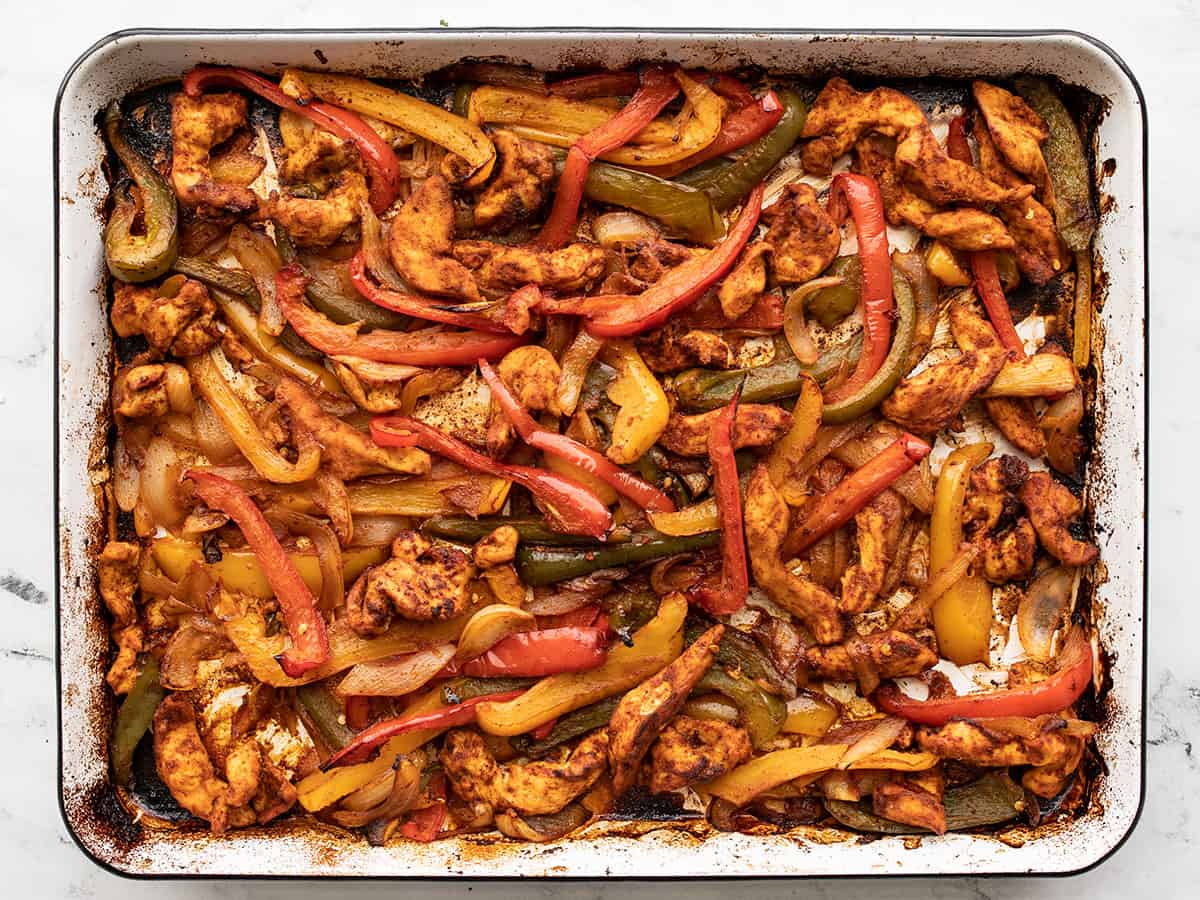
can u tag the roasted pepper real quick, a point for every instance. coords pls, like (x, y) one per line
(414, 305)
(643, 405)
(326, 714)
(546, 565)
(831, 304)
(695, 519)
(139, 257)
(134, 718)
(654, 646)
(810, 714)
(962, 616)
(737, 652)
(761, 714)
(566, 728)
(456, 690)
(740, 127)
(466, 530)
(990, 800)
(945, 266)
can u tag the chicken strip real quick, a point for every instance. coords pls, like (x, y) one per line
(766, 520)
(421, 240)
(643, 712)
(676, 347)
(991, 492)
(914, 800)
(422, 581)
(320, 222)
(181, 324)
(803, 238)
(1009, 556)
(1052, 507)
(927, 402)
(689, 751)
(923, 163)
(497, 549)
(531, 373)
(536, 788)
(145, 391)
(1049, 780)
(841, 115)
(197, 125)
(499, 267)
(1017, 131)
(884, 654)
(522, 182)
(348, 453)
(746, 283)
(118, 565)
(319, 158)
(877, 534)
(757, 425)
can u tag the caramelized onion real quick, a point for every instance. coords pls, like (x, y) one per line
(1044, 609)
(882, 736)
(406, 787)
(329, 553)
(795, 327)
(378, 531)
(374, 250)
(161, 471)
(126, 478)
(186, 649)
(211, 435)
(491, 625)
(622, 227)
(398, 676)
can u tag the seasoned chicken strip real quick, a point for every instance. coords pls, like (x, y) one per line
(757, 425)
(422, 581)
(347, 452)
(914, 800)
(923, 163)
(320, 222)
(766, 520)
(689, 751)
(536, 788)
(1052, 507)
(746, 283)
(675, 347)
(421, 240)
(884, 654)
(803, 238)
(841, 115)
(926, 403)
(197, 125)
(531, 373)
(1017, 131)
(877, 534)
(182, 324)
(118, 565)
(521, 184)
(643, 712)
(499, 267)
(318, 158)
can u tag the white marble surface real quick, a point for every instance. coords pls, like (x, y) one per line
(1158, 40)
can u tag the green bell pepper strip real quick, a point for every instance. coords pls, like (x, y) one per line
(139, 257)
(459, 689)
(1066, 161)
(762, 714)
(465, 530)
(992, 799)
(700, 390)
(727, 182)
(628, 610)
(461, 102)
(547, 565)
(737, 651)
(326, 714)
(895, 364)
(572, 725)
(832, 304)
(134, 719)
(681, 208)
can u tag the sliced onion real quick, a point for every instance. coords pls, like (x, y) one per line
(622, 227)
(405, 788)
(378, 531)
(329, 553)
(1044, 609)
(398, 676)
(491, 625)
(334, 500)
(370, 370)
(374, 249)
(1060, 422)
(882, 736)
(711, 706)
(258, 256)
(576, 361)
(426, 384)
(916, 614)
(161, 471)
(912, 485)
(202, 522)
(211, 435)
(569, 596)
(795, 328)
(126, 478)
(187, 648)
(829, 438)
(539, 829)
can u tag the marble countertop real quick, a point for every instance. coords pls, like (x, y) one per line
(45, 37)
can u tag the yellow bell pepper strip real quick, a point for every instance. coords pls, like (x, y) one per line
(741, 127)
(784, 459)
(944, 266)
(462, 138)
(696, 519)
(139, 257)
(746, 782)
(656, 90)
(643, 405)
(810, 715)
(244, 431)
(239, 570)
(383, 168)
(654, 646)
(834, 509)
(1081, 339)
(310, 644)
(962, 616)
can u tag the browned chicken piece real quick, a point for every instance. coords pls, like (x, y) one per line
(347, 452)
(841, 115)
(497, 549)
(1017, 131)
(928, 401)
(675, 347)
(118, 566)
(1009, 555)
(991, 492)
(197, 125)
(757, 425)
(500, 267)
(317, 159)
(877, 533)
(689, 751)
(746, 282)
(521, 184)
(536, 788)
(532, 374)
(422, 581)
(914, 800)
(421, 242)
(884, 654)
(1052, 507)
(145, 391)
(968, 229)
(766, 522)
(923, 163)
(803, 238)
(320, 222)
(916, 567)
(643, 712)
(1039, 252)
(1049, 780)
(647, 260)
(182, 324)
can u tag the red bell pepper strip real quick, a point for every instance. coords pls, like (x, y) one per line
(859, 195)
(727, 86)
(571, 507)
(310, 643)
(600, 84)
(428, 347)
(378, 156)
(739, 128)
(657, 89)
(620, 315)
(983, 263)
(625, 483)
(730, 596)
(856, 490)
(588, 616)
(366, 742)
(543, 731)
(1049, 695)
(533, 654)
(358, 712)
(414, 304)
(425, 824)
